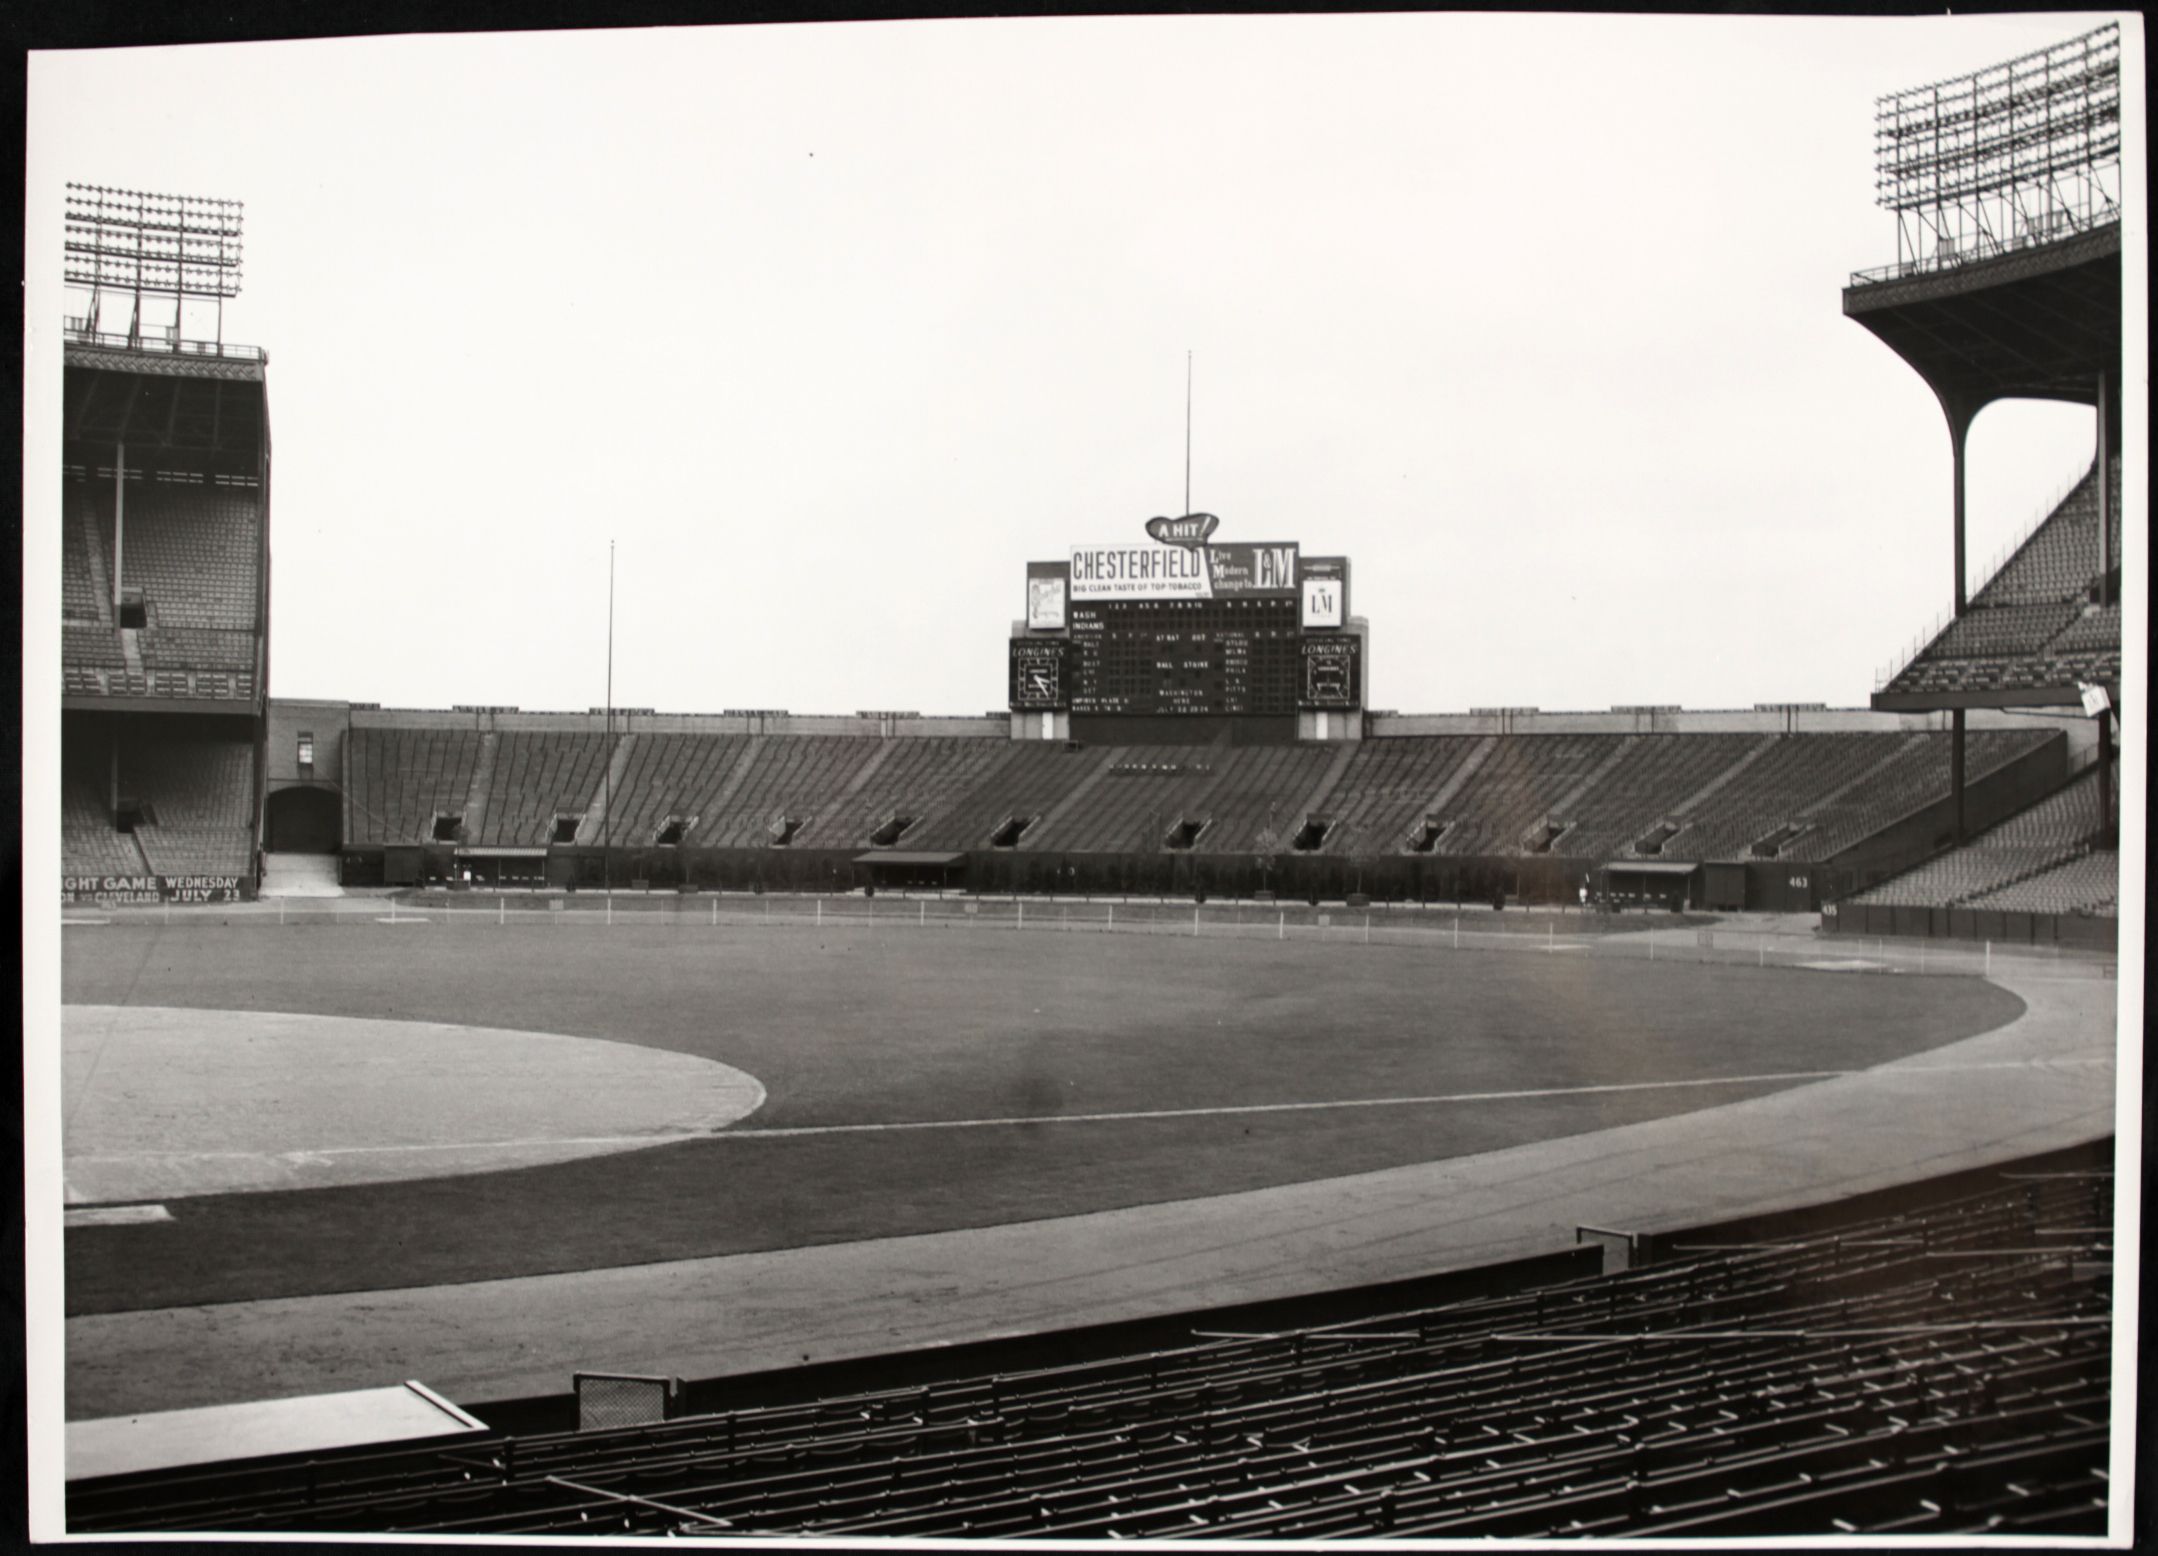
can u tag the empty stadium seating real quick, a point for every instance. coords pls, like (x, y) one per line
(194, 790)
(1588, 797)
(2047, 842)
(1390, 785)
(657, 776)
(398, 781)
(1024, 781)
(2030, 626)
(790, 778)
(1655, 773)
(201, 792)
(918, 779)
(2089, 883)
(192, 546)
(538, 777)
(89, 843)
(1944, 1370)
(192, 552)
(2061, 555)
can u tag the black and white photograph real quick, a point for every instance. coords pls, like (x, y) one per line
(1070, 781)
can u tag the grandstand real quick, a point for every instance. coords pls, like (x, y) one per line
(164, 557)
(704, 800)
(1940, 1370)
(2058, 842)
(1987, 302)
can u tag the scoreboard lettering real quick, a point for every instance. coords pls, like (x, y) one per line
(1185, 656)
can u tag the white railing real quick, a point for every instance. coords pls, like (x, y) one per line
(1640, 934)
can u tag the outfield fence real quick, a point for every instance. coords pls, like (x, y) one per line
(1647, 937)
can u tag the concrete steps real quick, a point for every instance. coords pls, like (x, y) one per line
(300, 875)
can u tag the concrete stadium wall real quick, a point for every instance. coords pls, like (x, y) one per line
(1879, 919)
(871, 726)
(1706, 721)
(1768, 720)
(1291, 877)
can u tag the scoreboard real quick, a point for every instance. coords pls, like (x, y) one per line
(1184, 656)
(1192, 629)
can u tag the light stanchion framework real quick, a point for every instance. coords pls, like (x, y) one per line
(126, 243)
(2005, 158)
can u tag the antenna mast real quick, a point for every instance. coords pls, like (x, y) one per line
(1187, 431)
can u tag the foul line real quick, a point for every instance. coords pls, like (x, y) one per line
(1782, 1077)
(303, 1155)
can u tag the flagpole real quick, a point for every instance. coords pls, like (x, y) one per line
(1187, 431)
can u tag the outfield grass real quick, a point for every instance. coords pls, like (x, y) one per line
(852, 1027)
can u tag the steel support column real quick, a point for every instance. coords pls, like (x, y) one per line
(1955, 743)
(2105, 778)
(2105, 502)
(1960, 416)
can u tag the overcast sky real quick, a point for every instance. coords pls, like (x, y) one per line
(832, 328)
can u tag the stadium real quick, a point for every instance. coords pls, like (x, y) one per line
(1186, 1101)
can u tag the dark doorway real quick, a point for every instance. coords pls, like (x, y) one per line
(303, 821)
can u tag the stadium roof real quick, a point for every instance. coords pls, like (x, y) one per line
(152, 401)
(2039, 323)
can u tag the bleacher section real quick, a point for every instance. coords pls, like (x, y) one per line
(1516, 787)
(670, 775)
(193, 553)
(399, 781)
(201, 793)
(2032, 625)
(194, 792)
(89, 844)
(1945, 1371)
(790, 779)
(1143, 793)
(2049, 843)
(1022, 781)
(1591, 797)
(920, 778)
(1654, 772)
(537, 778)
(2062, 555)
(1390, 785)
(193, 547)
(2089, 884)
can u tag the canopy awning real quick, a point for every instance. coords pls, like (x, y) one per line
(896, 856)
(491, 852)
(1653, 866)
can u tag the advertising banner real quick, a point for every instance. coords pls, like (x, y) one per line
(147, 890)
(1040, 680)
(1243, 570)
(1047, 585)
(1325, 585)
(1330, 673)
